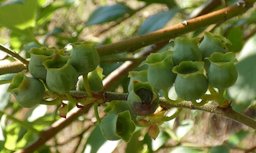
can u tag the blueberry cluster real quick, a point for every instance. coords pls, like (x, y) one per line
(190, 66)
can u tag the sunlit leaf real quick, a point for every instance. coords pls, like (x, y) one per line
(18, 15)
(244, 90)
(107, 13)
(94, 141)
(186, 150)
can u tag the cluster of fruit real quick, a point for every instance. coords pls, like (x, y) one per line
(56, 71)
(189, 66)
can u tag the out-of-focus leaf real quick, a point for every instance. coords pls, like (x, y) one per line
(18, 15)
(46, 12)
(160, 140)
(186, 150)
(44, 149)
(43, 122)
(218, 149)
(94, 141)
(236, 138)
(244, 89)
(4, 96)
(135, 145)
(11, 2)
(105, 14)
(235, 36)
(6, 78)
(156, 21)
(184, 128)
(12, 134)
(169, 3)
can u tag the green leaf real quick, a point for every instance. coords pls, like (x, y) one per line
(45, 13)
(11, 2)
(156, 21)
(237, 137)
(18, 15)
(244, 89)
(105, 14)
(186, 150)
(95, 140)
(135, 145)
(235, 36)
(218, 149)
(169, 3)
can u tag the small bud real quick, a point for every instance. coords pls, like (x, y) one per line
(153, 131)
(63, 110)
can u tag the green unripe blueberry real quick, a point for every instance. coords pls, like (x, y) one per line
(137, 76)
(186, 49)
(213, 43)
(142, 99)
(84, 57)
(61, 75)
(160, 74)
(117, 126)
(222, 72)
(94, 80)
(190, 83)
(27, 91)
(38, 56)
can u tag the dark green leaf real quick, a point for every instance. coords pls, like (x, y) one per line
(244, 89)
(169, 3)
(11, 2)
(236, 138)
(105, 14)
(135, 145)
(95, 140)
(156, 21)
(18, 15)
(218, 149)
(235, 36)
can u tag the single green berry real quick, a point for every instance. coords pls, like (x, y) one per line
(190, 83)
(84, 57)
(38, 56)
(27, 91)
(142, 99)
(137, 76)
(186, 49)
(222, 72)
(160, 74)
(117, 126)
(61, 75)
(213, 43)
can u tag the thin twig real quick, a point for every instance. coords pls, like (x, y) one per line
(13, 67)
(13, 54)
